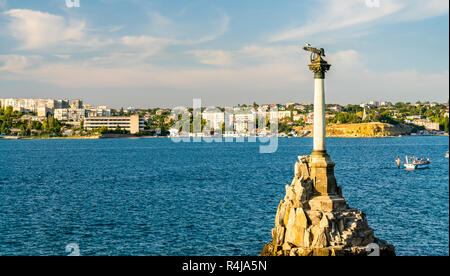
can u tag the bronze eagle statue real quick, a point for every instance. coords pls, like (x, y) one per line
(314, 51)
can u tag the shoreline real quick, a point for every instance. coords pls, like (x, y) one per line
(156, 137)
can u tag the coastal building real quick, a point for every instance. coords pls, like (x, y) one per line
(61, 114)
(32, 118)
(44, 111)
(32, 105)
(134, 124)
(364, 105)
(160, 112)
(244, 122)
(214, 118)
(88, 106)
(98, 112)
(427, 124)
(310, 118)
(413, 117)
(69, 114)
(278, 115)
(129, 110)
(300, 107)
(77, 104)
(299, 117)
(336, 108)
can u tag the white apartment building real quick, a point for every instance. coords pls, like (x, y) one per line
(44, 111)
(69, 114)
(32, 105)
(98, 112)
(78, 114)
(215, 119)
(244, 122)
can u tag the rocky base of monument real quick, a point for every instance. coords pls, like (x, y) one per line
(304, 231)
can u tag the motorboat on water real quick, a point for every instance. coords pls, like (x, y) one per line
(413, 163)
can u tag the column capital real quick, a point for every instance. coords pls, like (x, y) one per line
(319, 66)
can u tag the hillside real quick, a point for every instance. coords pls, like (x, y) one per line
(362, 130)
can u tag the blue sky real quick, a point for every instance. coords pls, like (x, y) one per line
(147, 53)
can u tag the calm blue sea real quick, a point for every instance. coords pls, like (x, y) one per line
(156, 197)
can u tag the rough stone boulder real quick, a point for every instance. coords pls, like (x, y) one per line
(301, 231)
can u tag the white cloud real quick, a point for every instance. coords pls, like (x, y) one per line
(417, 9)
(116, 29)
(278, 79)
(17, 63)
(349, 80)
(253, 54)
(271, 54)
(333, 15)
(63, 56)
(150, 45)
(254, 72)
(163, 26)
(147, 45)
(212, 57)
(38, 30)
(220, 29)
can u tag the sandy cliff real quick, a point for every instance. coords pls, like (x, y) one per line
(362, 130)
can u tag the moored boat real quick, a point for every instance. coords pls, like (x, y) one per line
(413, 163)
(10, 137)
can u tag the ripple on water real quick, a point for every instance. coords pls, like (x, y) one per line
(155, 197)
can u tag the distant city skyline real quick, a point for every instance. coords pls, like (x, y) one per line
(80, 103)
(163, 54)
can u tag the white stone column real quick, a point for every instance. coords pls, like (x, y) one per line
(319, 115)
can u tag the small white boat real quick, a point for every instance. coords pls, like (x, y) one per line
(446, 154)
(414, 163)
(410, 166)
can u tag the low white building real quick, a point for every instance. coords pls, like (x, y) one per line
(427, 124)
(280, 115)
(299, 117)
(215, 119)
(134, 124)
(244, 122)
(336, 108)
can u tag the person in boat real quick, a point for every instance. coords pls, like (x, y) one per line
(398, 161)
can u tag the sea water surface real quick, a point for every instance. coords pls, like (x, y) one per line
(156, 197)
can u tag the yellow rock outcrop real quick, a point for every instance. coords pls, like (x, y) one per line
(362, 130)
